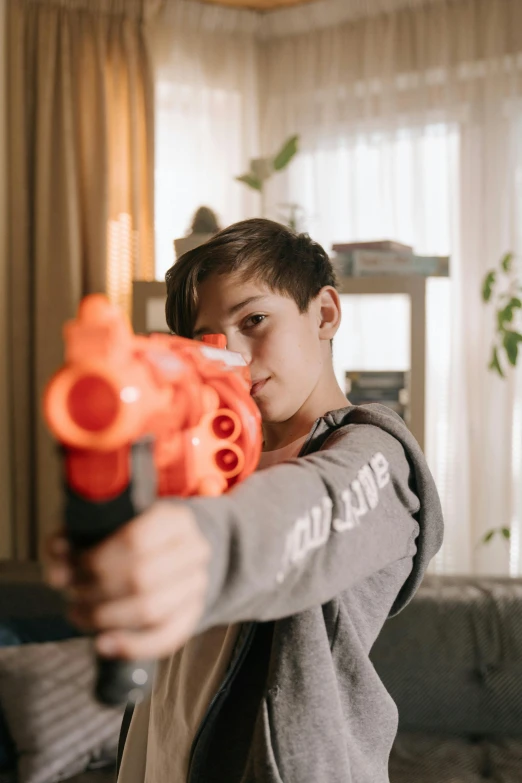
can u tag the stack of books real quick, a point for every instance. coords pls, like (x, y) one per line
(386, 257)
(389, 387)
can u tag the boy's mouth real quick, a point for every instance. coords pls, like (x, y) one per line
(257, 386)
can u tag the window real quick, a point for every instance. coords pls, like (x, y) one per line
(199, 150)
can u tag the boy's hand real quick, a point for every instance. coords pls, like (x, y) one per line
(143, 589)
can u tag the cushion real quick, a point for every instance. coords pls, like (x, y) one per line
(427, 758)
(24, 630)
(46, 697)
(452, 660)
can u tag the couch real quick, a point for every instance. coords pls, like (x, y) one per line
(452, 661)
(35, 612)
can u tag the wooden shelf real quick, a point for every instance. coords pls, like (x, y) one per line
(142, 292)
(413, 286)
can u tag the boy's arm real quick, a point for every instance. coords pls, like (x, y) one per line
(294, 535)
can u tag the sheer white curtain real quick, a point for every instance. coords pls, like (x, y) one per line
(400, 184)
(206, 117)
(410, 129)
(490, 223)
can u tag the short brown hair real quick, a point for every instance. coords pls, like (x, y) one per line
(290, 263)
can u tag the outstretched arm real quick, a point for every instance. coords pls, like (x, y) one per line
(288, 538)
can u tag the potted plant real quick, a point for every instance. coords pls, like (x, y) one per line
(262, 169)
(502, 287)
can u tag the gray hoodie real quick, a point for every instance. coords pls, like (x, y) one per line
(312, 556)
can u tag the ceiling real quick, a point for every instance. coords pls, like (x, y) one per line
(257, 5)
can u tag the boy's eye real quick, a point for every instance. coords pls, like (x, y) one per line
(253, 320)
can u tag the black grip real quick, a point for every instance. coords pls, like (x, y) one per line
(87, 523)
(120, 682)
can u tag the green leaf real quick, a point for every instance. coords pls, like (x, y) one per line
(286, 153)
(505, 316)
(487, 285)
(489, 535)
(501, 317)
(251, 180)
(510, 342)
(495, 363)
(506, 532)
(506, 262)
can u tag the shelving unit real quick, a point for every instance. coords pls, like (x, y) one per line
(148, 297)
(413, 286)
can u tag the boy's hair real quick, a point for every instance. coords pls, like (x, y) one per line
(289, 263)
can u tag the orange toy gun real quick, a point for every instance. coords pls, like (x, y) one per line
(140, 418)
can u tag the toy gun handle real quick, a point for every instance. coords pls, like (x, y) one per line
(87, 523)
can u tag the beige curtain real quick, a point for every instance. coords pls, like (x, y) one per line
(5, 466)
(80, 152)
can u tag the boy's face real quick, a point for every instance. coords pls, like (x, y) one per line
(283, 347)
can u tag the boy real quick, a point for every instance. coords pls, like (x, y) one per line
(263, 604)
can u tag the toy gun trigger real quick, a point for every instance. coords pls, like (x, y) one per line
(144, 482)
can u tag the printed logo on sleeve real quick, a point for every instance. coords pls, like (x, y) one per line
(312, 530)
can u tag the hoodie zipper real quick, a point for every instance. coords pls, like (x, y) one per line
(240, 657)
(218, 698)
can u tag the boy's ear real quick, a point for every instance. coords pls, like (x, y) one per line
(328, 304)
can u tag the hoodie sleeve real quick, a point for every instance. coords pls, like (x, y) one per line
(296, 534)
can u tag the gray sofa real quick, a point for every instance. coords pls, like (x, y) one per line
(452, 660)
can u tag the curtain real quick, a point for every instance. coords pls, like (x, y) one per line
(410, 124)
(5, 464)
(207, 126)
(490, 211)
(80, 151)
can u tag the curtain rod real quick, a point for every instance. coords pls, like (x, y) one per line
(327, 13)
(128, 8)
(284, 21)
